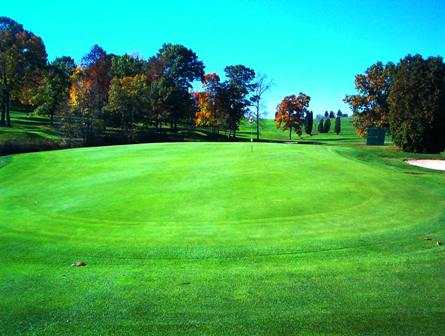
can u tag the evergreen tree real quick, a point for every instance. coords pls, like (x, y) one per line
(309, 123)
(320, 127)
(337, 125)
(327, 125)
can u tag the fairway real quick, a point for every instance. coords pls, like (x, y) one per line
(216, 239)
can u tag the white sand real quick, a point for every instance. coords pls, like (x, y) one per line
(431, 164)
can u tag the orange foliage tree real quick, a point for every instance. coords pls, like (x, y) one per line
(370, 106)
(290, 113)
(205, 112)
(207, 106)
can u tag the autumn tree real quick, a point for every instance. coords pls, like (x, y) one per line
(417, 104)
(290, 113)
(97, 71)
(22, 57)
(210, 109)
(215, 93)
(261, 86)
(370, 105)
(89, 92)
(205, 113)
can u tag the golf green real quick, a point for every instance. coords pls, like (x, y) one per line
(217, 239)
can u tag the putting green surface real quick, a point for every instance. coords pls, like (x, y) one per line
(213, 239)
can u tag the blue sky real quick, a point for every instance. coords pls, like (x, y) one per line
(311, 46)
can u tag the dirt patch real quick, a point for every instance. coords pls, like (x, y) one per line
(79, 263)
(414, 173)
(430, 164)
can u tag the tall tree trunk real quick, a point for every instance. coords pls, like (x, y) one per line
(258, 122)
(290, 133)
(3, 117)
(8, 105)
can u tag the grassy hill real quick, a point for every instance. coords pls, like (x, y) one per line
(213, 239)
(28, 134)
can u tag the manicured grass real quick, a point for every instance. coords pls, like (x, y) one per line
(269, 132)
(213, 239)
(28, 133)
(28, 127)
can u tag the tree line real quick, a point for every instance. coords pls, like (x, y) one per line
(293, 114)
(123, 94)
(407, 98)
(110, 94)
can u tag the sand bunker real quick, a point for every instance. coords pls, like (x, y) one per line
(431, 164)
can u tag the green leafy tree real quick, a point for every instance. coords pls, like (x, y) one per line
(128, 103)
(175, 67)
(52, 97)
(159, 97)
(65, 64)
(178, 64)
(22, 59)
(234, 93)
(127, 66)
(417, 105)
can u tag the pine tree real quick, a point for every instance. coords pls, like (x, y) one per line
(338, 125)
(321, 126)
(327, 125)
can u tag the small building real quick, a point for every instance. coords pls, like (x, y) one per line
(376, 136)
